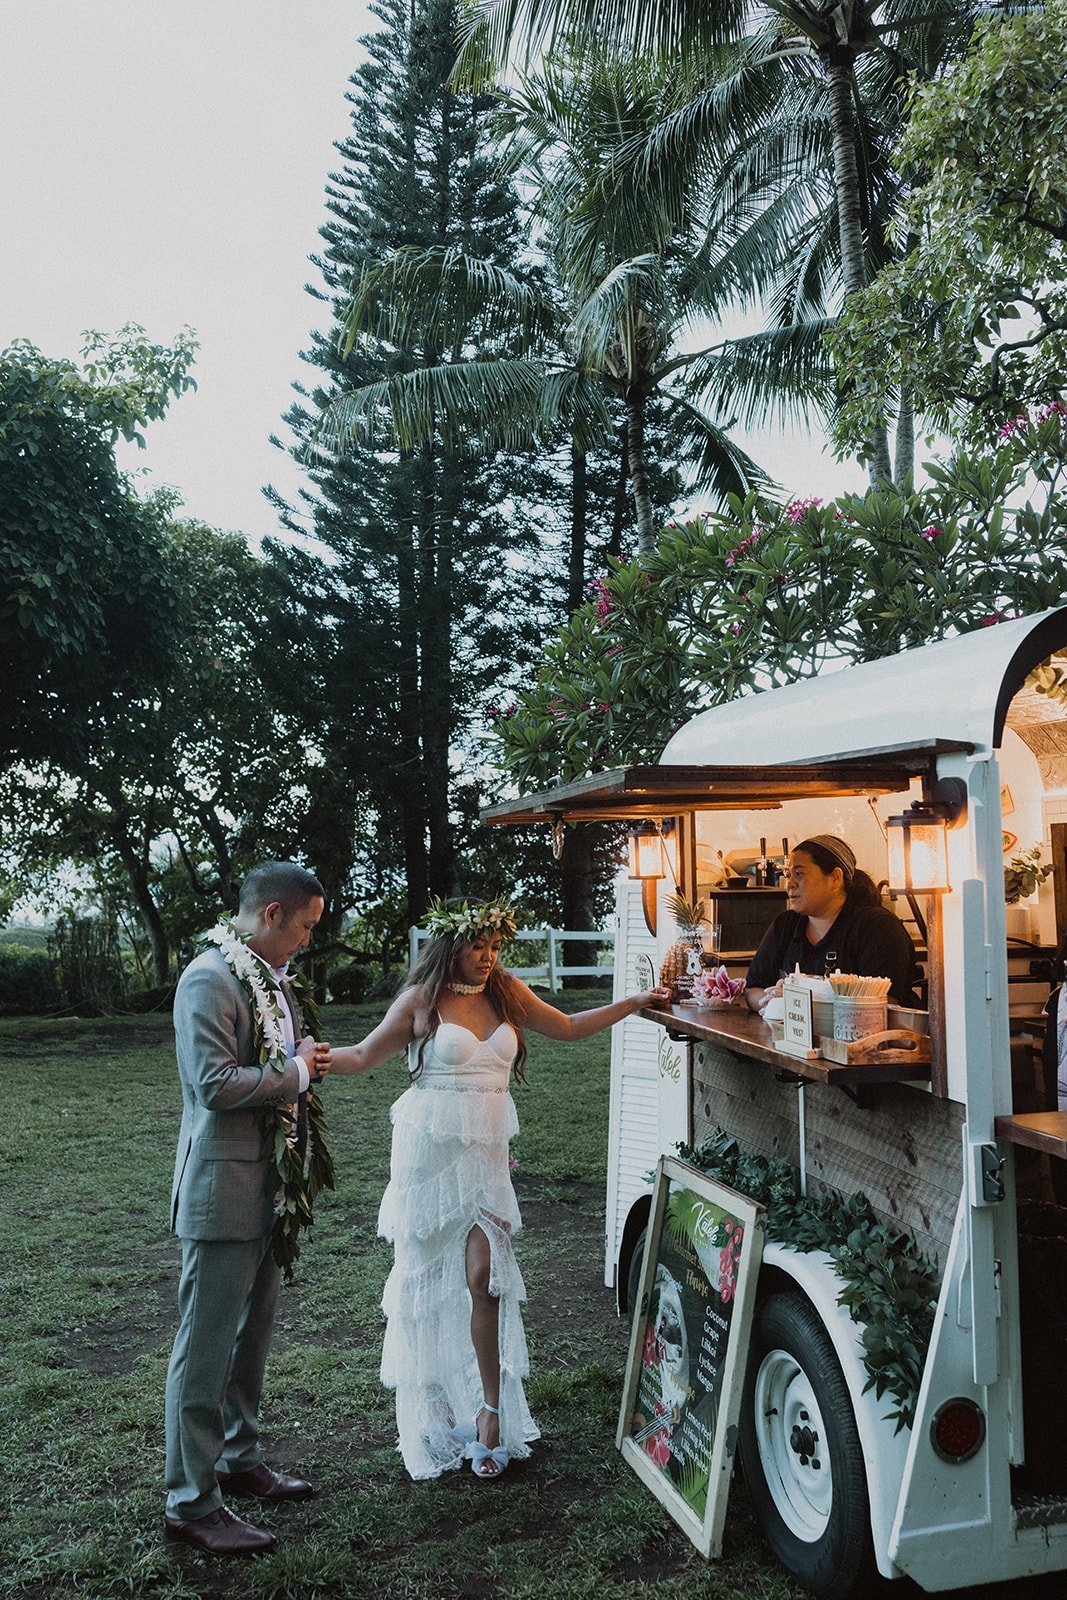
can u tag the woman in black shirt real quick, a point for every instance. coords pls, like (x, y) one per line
(835, 922)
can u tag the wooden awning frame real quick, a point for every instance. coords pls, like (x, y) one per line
(649, 792)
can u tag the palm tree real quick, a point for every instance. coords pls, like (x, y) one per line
(706, 39)
(622, 289)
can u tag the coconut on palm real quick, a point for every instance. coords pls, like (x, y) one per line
(690, 919)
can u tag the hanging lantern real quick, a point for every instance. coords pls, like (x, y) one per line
(918, 840)
(645, 844)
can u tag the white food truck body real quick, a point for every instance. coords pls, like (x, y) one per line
(930, 1155)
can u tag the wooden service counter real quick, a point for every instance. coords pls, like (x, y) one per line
(881, 1123)
(742, 1032)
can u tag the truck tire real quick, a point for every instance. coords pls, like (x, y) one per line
(801, 1453)
(633, 1275)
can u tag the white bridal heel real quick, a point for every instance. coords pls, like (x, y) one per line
(482, 1454)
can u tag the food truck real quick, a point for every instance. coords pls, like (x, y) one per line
(941, 1120)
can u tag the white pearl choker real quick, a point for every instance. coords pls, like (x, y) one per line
(465, 988)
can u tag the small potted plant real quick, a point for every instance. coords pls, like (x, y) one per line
(1022, 875)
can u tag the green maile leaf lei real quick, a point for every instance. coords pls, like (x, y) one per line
(293, 1180)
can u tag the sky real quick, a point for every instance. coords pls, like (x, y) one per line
(165, 164)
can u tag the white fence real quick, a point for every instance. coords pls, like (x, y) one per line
(552, 970)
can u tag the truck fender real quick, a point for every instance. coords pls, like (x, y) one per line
(884, 1451)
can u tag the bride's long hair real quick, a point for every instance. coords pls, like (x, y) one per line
(436, 965)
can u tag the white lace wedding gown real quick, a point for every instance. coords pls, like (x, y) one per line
(449, 1173)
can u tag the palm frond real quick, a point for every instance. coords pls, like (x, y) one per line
(779, 373)
(621, 309)
(445, 298)
(493, 32)
(500, 404)
(716, 465)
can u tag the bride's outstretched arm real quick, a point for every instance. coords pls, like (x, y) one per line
(543, 1018)
(393, 1034)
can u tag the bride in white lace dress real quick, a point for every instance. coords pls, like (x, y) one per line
(455, 1348)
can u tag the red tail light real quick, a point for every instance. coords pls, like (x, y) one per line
(957, 1429)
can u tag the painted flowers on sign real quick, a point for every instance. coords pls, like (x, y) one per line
(685, 1340)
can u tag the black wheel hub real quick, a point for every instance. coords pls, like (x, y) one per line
(805, 1442)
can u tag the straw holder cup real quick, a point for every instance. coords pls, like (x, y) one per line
(855, 1017)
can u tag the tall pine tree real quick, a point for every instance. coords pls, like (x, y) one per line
(402, 632)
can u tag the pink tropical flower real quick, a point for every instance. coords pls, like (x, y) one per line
(733, 556)
(659, 1448)
(797, 510)
(932, 531)
(605, 602)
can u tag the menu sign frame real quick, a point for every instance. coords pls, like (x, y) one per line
(689, 1346)
(798, 1028)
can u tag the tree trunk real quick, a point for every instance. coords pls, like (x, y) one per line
(904, 444)
(618, 515)
(635, 443)
(147, 912)
(435, 626)
(838, 66)
(579, 520)
(410, 800)
(578, 875)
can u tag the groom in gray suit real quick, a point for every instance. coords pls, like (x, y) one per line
(224, 1216)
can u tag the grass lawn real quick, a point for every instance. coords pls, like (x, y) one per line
(89, 1116)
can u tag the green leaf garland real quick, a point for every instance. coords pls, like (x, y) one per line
(890, 1287)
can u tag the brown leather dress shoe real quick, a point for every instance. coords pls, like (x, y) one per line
(221, 1534)
(264, 1484)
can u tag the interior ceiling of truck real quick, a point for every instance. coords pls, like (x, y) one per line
(1040, 720)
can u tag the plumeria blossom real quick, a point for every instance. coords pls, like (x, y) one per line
(734, 556)
(1024, 421)
(797, 510)
(603, 598)
(496, 916)
(932, 531)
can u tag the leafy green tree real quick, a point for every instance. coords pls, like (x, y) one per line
(172, 790)
(85, 606)
(973, 320)
(738, 602)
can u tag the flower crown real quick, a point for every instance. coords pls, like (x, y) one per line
(470, 920)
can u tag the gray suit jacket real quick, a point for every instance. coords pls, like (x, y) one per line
(221, 1169)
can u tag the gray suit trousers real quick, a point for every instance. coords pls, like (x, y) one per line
(227, 1295)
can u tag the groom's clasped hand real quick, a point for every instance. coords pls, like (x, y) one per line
(318, 1055)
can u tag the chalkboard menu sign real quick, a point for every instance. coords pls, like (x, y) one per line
(688, 1345)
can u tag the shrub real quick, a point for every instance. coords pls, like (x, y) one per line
(27, 980)
(141, 1001)
(349, 985)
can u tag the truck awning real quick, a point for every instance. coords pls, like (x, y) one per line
(668, 789)
(811, 737)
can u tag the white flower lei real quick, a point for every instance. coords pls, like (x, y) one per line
(295, 1184)
(248, 969)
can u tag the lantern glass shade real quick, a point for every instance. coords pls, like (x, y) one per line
(918, 853)
(646, 852)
